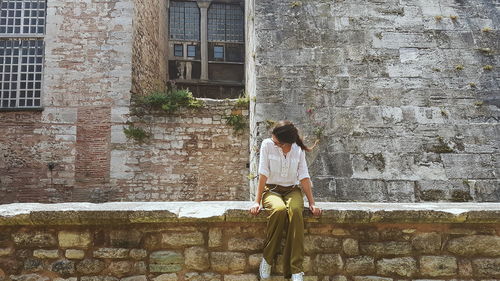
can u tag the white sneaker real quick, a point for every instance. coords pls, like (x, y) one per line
(297, 276)
(264, 269)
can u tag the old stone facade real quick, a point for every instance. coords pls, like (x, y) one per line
(98, 55)
(404, 95)
(209, 241)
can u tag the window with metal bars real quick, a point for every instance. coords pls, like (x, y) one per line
(225, 23)
(22, 29)
(184, 21)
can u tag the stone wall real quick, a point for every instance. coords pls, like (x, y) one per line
(191, 155)
(149, 61)
(221, 241)
(402, 93)
(75, 149)
(87, 78)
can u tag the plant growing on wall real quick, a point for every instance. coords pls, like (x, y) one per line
(136, 133)
(237, 121)
(168, 101)
(171, 100)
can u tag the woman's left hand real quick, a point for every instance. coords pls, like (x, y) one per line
(315, 210)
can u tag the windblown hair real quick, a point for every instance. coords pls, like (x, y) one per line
(286, 132)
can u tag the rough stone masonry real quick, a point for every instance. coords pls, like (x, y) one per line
(221, 241)
(404, 95)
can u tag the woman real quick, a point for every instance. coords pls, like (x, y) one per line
(282, 166)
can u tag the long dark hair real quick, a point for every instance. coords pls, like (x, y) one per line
(286, 132)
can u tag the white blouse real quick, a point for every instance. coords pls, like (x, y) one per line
(279, 169)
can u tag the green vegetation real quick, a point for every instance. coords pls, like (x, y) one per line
(237, 121)
(136, 133)
(243, 101)
(488, 67)
(171, 100)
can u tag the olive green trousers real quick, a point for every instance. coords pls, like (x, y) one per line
(285, 216)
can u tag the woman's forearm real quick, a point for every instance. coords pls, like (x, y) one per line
(260, 187)
(307, 187)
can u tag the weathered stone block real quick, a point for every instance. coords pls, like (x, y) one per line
(125, 238)
(111, 253)
(321, 244)
(35, 239)
(406, 267)
(207, 276)
(74, 239)
(229, 262)
(120, 268)
(29, 277)
(381, 249)
(90, 266)
(6, 251)
(63, 267)
(245, 244)
(31, 264)
(135, 278)
(484, 245)
(489, 268)
(438, 266)
(350, 247)
(464, 267)
(328, 263)
(166, 277)
(46, 254)
(241, 277)
(214, 237)
(360, 265)
(196, 258)
(182, 239)
(254, 261)
(138, 254)
(165, 261)
(139, 268)
(74, 254)
(427, 243)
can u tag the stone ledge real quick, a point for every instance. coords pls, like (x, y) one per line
(237, 211)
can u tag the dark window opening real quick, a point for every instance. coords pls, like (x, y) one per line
(178, 50)
(191, 51)
(219, 52)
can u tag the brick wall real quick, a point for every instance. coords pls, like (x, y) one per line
(95, 51)
(200, 244)
(191, 155)
(401, 120)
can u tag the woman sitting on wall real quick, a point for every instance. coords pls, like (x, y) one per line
(282, 166)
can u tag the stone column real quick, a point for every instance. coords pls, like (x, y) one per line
(204, 38)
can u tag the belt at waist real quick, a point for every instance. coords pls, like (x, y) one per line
(281, 186)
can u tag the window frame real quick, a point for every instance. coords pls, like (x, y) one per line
(181, 50)
(28, 49)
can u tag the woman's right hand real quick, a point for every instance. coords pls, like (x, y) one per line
(255, 209)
